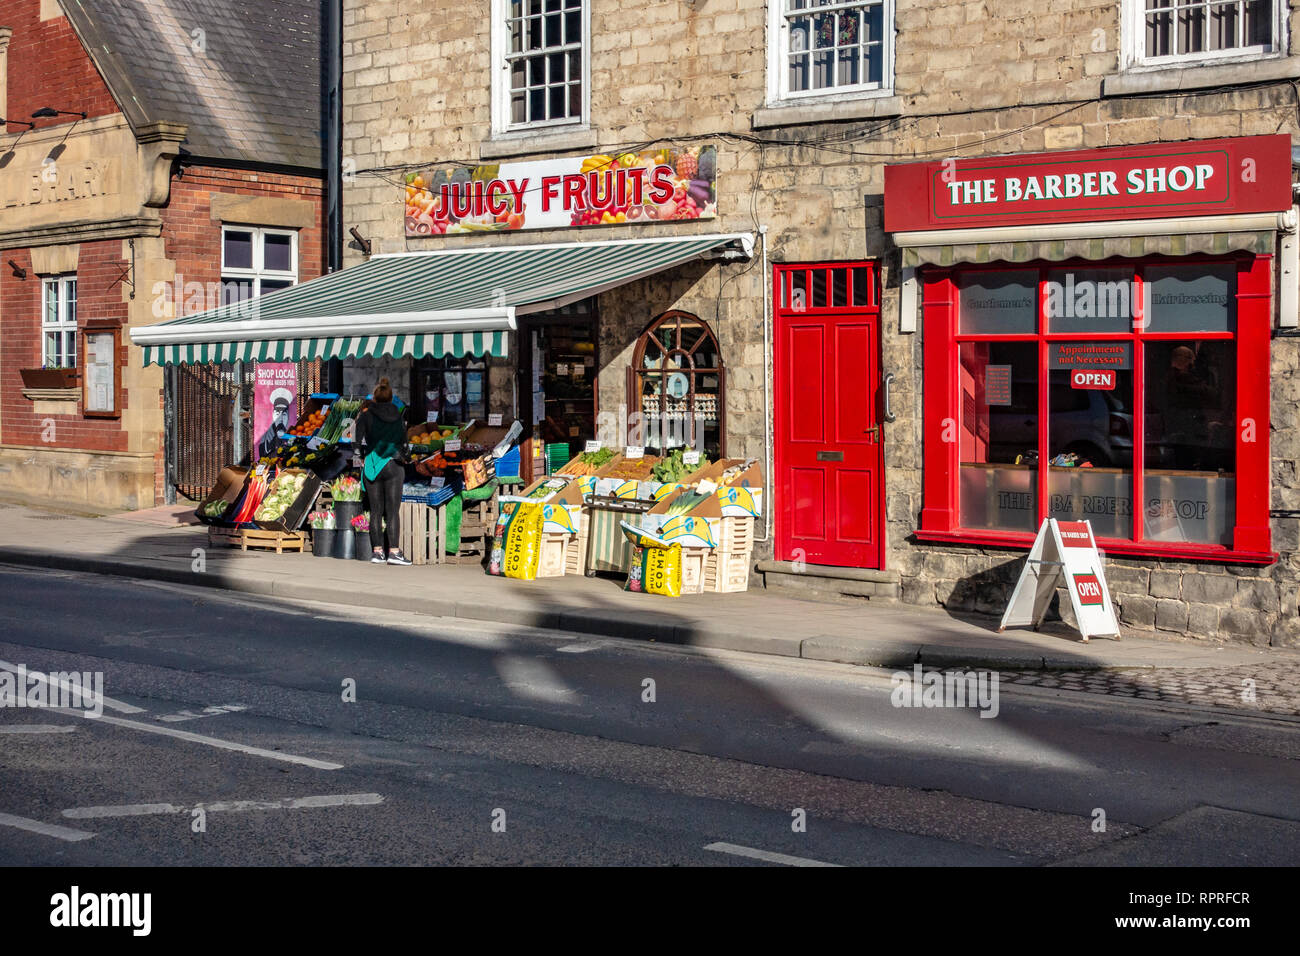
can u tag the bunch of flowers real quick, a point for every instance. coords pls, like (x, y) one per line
(346, 488)
(361, 522)
(322, 520)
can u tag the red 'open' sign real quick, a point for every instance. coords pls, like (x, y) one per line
(1093, 378)
(1088, 588)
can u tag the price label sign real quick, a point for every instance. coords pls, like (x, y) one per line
(260, 470)
(494, 421)
(431, 415)
(690, 458)
(634, 451)
(562, 368)
(436, 483)
(313, 443)
(592, 446)
(556, 483)
(573, 431)
(452, 444)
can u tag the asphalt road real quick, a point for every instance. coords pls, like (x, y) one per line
(227, 739)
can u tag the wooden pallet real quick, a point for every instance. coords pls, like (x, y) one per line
(255, 539)
(423, 532)
(726, 572)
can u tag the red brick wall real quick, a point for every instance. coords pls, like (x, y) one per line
(100, 268)
(194, 240)
(49, 67)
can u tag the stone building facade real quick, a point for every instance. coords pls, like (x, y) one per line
(956, 79)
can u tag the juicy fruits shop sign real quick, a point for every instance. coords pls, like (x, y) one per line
(1209, 177)
(604, 189)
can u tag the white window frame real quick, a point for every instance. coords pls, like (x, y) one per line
(63, 324)
(1133, 42)
(778, 65)
(257, 273)
(500, 43)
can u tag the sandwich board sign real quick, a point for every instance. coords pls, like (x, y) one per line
(1064, 553)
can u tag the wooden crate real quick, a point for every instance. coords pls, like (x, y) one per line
(694, 561)
(255, 539)
(554, 553)
(422, 532)
(575, 555)
(726, 572)
(735, 534)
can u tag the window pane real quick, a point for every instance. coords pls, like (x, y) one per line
(70, 309)
(1190, 447)
(274, 285)
(1090, 445)
(277, 253)
(819, 289)
(991, 303)
(51, 303)
(861, 285)
(573, 27)
(238, 250)
(839, 288)
(50, 349)
(236, 290)
(1089, 300)
(70, 349)
(1259, 23)
(999, 436)
(1191, 298)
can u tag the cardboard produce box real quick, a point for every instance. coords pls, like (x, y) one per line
(489, 436)
(293, 516)
(563, 511)
(228, 487)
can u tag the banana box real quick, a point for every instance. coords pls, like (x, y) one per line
(561, 501)
(739, 491)
(690, 530)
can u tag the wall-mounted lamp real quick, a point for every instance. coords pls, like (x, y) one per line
(363, 243)
(19, 271)
(17, 122)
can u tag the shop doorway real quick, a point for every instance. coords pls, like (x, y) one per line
(558, 368)
(828, 443)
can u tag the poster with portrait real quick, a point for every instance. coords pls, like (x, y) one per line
(275, 404)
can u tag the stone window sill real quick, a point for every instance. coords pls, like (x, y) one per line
(523, 142)
(52, 394)
(1172, 79)
(794, 113)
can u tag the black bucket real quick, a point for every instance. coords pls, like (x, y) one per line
(363, 545)
(344, 543)
(322, 542)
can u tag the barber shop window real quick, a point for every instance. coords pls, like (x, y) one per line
(1107, 393)
(677, 384)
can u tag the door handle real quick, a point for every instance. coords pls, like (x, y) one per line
(873, 431)
(887, 394)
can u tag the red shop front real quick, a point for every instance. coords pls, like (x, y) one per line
(1096, 332)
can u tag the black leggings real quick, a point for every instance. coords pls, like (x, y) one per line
(385, 497)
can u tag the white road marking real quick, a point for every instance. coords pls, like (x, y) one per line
(37, 729)
(44, 829)
(766, 855)
(109, 702)
(207, 712)
(227, 806)
(223, 744)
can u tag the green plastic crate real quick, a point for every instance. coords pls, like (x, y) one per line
(557, 456)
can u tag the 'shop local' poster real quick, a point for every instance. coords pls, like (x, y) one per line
(600, 190)
(275, 403)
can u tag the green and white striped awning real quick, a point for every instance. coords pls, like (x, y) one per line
(450, 302)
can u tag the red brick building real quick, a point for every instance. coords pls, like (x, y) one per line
(178, 167)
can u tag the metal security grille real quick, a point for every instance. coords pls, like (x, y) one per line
(204, 416)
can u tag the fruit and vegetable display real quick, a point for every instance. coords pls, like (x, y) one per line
(215, 509)
(300, 456)
(432, 438)
(254, 493)
(342, 411)
(590, 462)
(346, 488)
(646, 185)
(281, 494)
(673, 468)
(686, 502)
(633, 469)
(735, 471)
(306, 427)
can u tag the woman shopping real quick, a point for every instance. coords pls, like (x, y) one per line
(380, 434)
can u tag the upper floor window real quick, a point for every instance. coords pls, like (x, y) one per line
(542, 62)
(824, 46)
(59, 322)
(1178, 31)
(257, 261)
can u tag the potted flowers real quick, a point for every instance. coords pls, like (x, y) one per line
(361, 528)
(346, 492)
(51, 376)
(322, 533)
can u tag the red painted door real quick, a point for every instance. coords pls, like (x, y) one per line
(828, 442)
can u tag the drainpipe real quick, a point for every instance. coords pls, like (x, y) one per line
(768, 503)
(333, 158)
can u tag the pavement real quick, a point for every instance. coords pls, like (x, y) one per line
(159, 544)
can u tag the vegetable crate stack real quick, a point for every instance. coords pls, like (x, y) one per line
(711, 514)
